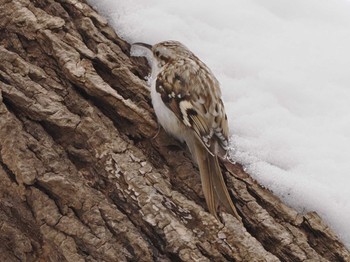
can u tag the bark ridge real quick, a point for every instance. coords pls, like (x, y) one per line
(82, 179)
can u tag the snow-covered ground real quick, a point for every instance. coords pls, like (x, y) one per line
(284, 68)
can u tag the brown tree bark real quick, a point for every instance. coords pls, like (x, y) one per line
(82, 179)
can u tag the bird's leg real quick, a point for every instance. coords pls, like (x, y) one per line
(154, 137)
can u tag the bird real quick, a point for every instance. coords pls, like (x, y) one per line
(186, 98)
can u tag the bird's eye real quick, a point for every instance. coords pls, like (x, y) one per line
(157, 53)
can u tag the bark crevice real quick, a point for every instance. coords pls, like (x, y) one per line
(83, 179)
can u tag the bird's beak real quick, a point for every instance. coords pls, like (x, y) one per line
(144, 45)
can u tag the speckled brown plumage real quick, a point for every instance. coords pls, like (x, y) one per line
(186, 98)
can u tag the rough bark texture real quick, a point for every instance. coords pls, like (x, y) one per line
(82, 179)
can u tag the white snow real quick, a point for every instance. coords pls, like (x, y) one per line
(284, 68)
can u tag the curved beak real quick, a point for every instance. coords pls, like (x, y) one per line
(144, 45)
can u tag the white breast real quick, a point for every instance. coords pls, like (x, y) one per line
(166, 118)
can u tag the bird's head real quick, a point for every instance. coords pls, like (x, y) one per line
(167, 51)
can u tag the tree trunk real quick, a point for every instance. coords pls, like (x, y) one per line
(83, 179)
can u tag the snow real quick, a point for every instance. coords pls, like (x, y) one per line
(284, 71)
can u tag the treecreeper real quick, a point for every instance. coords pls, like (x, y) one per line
(186, 97)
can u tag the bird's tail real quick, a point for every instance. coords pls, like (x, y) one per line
(213, 184)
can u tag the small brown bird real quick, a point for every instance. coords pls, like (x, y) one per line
(186, 98)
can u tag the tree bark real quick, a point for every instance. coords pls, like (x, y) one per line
(83, 179)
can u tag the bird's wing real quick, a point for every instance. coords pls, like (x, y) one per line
(192, 92)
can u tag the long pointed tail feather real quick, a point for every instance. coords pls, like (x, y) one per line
(213, 184)
(221, 188)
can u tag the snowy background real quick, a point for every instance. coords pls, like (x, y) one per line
(284, 68)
